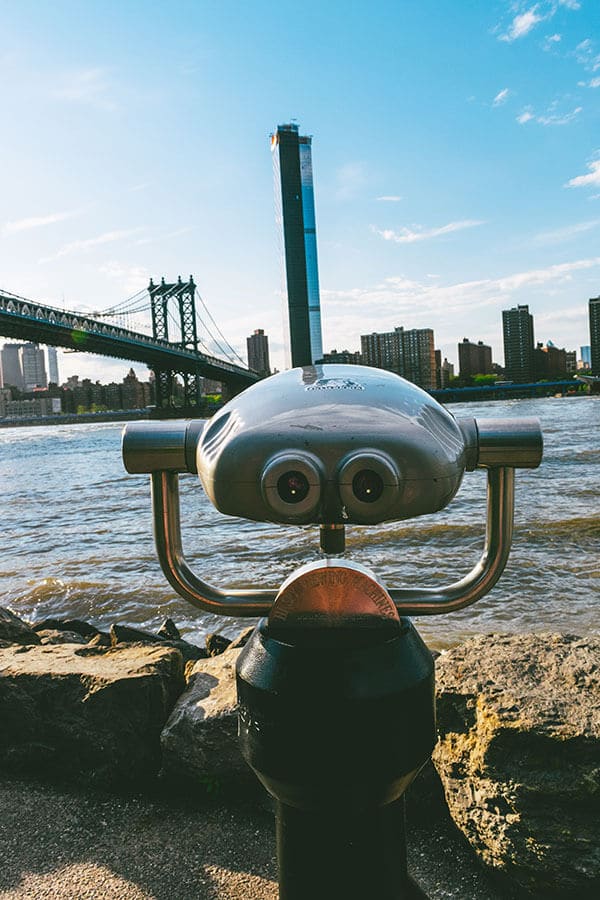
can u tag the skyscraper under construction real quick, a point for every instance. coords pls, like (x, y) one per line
(295, 214)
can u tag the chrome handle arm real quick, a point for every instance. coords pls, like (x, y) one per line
(482, 578)
(167, 535)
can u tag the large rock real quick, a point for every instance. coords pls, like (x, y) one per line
(57, 636)
(14, 630)
(519, 756)
(86, 712)
(78, 626)
(216, 644)
(120, 634)
(199, 741)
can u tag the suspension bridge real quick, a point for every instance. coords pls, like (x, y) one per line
(159, 326)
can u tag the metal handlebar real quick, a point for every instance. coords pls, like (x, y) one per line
(496, 444)
(167, 536)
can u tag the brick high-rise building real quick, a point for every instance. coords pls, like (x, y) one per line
(444, 371)
(408, 353)
(383, 350)
(258, 352)
(571, 362)
(474, 359)
(343, 357)
(517, 330)
(550, 362)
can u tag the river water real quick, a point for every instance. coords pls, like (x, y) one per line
(78, 535)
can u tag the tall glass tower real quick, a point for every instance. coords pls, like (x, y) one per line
(594, 310)
(295, 214)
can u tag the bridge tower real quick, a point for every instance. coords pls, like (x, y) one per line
(182, 332)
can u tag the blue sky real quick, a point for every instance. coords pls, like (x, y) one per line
(456, 155)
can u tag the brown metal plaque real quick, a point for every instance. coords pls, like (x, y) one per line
(331, 595)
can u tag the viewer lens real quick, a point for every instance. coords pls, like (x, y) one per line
(293, 487)
(367, 486)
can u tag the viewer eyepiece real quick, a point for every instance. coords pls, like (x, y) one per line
(367, 486)
(293, 487)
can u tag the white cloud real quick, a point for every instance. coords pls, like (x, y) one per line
(419, 233)
(595, 82)
(522, 24)
(501, 97)
(36, 222)
(566, 233)
(391, 198)
(550, 117)
(130, 278)
(585, 54)
(398, 296)
(526, 21)
(551, 43)
(592, 178)
(108, 237)
(526, 116)
(558, 272)
(557, 119)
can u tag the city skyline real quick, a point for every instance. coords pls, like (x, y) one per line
(456, 156)
(410, 353)
(257, 348)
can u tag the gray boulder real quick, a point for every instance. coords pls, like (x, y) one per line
(85, 629)
(519, 756)
(125, 634)
(216, 644)
(84, 712)
(14, 630)
(199, 741)
(56, 636)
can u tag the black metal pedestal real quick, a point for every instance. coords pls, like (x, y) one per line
(336, 725)
(335, 855)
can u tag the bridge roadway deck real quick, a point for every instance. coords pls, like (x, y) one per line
(25, 320)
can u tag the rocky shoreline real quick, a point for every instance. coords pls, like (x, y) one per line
(517, 766)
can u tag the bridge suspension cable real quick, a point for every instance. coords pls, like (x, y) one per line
(234, 353)
(139, 302)
(125, 305)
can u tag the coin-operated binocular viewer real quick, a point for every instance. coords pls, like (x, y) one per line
(335, 686)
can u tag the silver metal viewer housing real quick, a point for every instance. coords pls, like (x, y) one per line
(332, 445)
